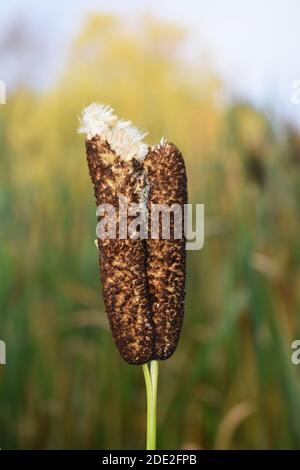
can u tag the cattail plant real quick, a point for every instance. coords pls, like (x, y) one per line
(143, 281)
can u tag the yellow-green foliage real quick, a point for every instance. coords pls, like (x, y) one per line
(231, 383)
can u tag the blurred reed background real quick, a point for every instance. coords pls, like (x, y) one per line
(231, 383)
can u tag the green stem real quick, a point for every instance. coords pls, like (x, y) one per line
(151, 379)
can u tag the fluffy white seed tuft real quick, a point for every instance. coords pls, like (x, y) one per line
(124, 139)
(97, 119)
(127, 141)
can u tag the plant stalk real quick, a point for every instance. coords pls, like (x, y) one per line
(151, 379)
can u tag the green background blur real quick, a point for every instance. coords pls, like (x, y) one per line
(231, 383)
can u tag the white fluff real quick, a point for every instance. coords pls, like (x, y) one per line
(97, 119)
(162, 141)
(159, 144)
(124, 139)
(127, 141)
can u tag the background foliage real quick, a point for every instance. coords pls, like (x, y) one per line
(231, 383)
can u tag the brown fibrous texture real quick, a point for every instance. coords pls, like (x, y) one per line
(122, 262)
(143, 281)
(166, 259)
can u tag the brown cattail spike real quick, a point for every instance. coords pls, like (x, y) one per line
(166, 259)
(119, 173)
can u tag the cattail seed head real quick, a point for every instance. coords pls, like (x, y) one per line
(166, 259)
(143, 281)
(122, 262)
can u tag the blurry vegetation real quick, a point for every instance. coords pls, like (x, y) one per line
(231, 383)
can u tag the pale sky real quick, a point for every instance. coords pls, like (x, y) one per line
(253, 45)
